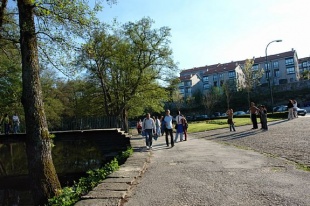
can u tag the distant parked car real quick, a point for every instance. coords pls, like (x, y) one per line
(301, 112)
(216, 114)
(224, 115)
(281, 108)
(202, 117)
(239, 113)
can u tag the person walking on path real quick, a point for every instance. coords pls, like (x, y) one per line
(290, 109)
(6, 123)
(139, 126)
(16, 123)
(149, 128)
(263, 117)
(230, 121)
(168, 128)
(295, 108)
(254, 110)
(185, 126)
(158, 127)
(163, 125)
(179, 127)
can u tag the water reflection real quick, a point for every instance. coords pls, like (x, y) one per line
(72, 158)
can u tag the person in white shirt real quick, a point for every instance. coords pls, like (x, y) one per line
(15, 123)
(179, 128)
(295, 109)
(158, 125)
(168, 128)
(148, 126)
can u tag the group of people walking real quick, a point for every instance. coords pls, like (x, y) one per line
(154, 127)
(10, 125)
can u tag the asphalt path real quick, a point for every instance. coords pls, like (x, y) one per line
(246, 167)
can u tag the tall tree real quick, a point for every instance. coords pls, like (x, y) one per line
(229, 88)
(211, 97)
(251, 77)
(127, 64)
(50, 26)
(10, 78)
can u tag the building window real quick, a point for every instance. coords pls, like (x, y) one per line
(255, 67)
(221, 82)
(290, 70)
(289, 61)
(304, 64)
(182, 91)
(206, 79)
(215, 84)
(267, 74)
(231, 74)
(214, 77)
(206, 86)
(269, 65)
(188, 91)
(275, 64)
(181, 84)
(221, 76)
(276, 73)
(189, 83)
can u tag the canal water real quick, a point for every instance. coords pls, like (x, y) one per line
(72, 158)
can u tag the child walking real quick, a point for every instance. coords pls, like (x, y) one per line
(230, 121)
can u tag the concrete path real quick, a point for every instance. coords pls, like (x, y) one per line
(203, 172)
(246, 167)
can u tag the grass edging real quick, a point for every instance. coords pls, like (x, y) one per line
(68, 196)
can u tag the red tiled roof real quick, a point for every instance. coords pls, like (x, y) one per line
(232, 65)
(274, 57)
(186, 77)
(303, 59)
(218, 68)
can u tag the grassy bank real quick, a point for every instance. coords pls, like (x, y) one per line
(206, 125)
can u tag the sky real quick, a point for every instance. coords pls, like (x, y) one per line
(207, 32)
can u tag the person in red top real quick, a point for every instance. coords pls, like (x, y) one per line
(185, 126)
(139, 126)
(179, 127)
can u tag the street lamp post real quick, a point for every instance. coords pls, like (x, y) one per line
(268, 72)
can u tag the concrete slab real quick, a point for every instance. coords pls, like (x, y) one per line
(123, 174)
(113, 186)
(104, 194)
(119, 180)
(131, 168)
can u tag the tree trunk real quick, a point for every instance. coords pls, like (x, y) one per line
(38, 144)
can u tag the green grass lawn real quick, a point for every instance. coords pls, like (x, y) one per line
(201, 126)
(206, 125)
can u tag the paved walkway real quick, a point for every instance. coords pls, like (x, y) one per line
(260, 169)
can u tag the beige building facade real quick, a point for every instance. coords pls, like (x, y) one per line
(282, 68)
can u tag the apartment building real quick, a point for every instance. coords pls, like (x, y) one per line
(282, 68)
(189, 84)
(304, 64)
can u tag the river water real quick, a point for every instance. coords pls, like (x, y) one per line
(71, 157)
